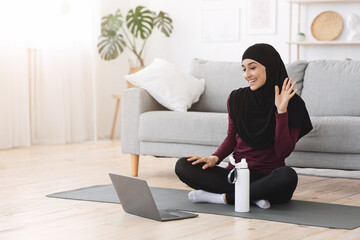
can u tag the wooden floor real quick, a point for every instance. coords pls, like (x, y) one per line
(28, 174)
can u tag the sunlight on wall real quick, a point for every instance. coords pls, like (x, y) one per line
(47, 52)
(44, 23)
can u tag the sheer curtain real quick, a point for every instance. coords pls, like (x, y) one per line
(47, 63)
(14, 98)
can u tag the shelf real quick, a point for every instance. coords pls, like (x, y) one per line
(325, 43)
(322, 1)
(292, 42)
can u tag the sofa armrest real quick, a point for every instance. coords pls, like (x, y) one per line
(134, 102)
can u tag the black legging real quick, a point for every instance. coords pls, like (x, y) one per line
(277, 187)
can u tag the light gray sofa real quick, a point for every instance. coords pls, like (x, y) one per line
(330, 89)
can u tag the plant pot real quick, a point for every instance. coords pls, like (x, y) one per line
(134, 70)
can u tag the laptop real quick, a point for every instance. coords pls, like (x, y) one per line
(136, 198)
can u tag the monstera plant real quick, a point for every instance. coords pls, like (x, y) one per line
(140, 23)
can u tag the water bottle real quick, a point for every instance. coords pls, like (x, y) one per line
(242, 184)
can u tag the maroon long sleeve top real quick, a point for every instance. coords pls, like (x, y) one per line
(260, 160)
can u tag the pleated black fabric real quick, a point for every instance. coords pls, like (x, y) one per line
(253, 112)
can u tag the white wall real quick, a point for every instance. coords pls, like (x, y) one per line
(109, 78)
(186, 43)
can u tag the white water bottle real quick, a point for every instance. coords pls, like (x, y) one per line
(242, 185)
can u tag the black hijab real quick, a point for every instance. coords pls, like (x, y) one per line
(253, 112)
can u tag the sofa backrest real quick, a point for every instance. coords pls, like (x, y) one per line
(223, 77)
(328, 87)
(332, 88)
(296, 70)
(220, 79)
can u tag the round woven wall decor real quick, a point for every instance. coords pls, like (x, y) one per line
(327, 26)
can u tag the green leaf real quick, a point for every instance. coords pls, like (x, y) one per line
(164, 23)
(111, 43)
(140, 22)
(111, 23)
(109, 47)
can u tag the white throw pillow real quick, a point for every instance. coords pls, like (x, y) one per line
(172, 88)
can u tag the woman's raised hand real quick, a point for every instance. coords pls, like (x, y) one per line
(282, 99)
(209, 161)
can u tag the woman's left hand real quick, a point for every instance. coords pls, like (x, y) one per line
(282, 99)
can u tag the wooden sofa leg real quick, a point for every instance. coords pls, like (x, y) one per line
(134, 164)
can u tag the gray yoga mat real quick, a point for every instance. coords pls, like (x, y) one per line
(296, 212)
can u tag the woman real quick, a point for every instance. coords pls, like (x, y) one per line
(264, 125)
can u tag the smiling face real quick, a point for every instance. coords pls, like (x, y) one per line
(254, 73)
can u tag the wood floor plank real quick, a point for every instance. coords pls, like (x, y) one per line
(28, 174)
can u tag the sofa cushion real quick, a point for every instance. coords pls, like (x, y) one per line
(337, 134)
(296, 70)
(178, 127)
(220, 79)
(331, 88)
